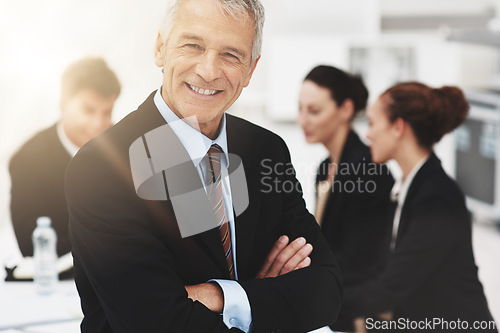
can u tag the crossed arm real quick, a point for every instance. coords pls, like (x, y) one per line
(283, 258)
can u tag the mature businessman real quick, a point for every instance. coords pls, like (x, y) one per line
(265, 268)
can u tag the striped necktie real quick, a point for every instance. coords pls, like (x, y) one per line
(214, 192)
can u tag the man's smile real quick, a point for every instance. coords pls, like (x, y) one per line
(201, 91)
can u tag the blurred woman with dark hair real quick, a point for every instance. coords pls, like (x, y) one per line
(431, 274)
(352, 192)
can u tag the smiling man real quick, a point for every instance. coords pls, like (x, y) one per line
(89, 90)
(207, 62)
(264, 269)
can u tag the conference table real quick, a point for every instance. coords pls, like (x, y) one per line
(22, 309)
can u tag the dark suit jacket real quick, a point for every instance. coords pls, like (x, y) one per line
(431, 273)
(37, 175)
(131, 264)
(355, 221)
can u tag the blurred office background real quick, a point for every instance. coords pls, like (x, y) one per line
(438, 42)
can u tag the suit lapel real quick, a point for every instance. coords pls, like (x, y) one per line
(211, 244)
(180, 173)
(246, 223)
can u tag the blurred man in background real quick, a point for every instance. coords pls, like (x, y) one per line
(88, 92)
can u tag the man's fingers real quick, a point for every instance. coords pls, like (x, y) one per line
(280, 244)
(285, 255)
(359, 325)
(293, 263)
(387, 316)
(304, 263)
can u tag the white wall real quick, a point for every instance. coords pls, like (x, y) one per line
(433, 7)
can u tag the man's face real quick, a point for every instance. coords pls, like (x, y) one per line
(85, 115)
(206, 62)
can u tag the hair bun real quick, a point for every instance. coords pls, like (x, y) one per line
(449, 108)
(430, 112)
(341, 85)
(359, 93)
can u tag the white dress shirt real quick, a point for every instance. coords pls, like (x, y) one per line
(399, 192)
(70, 147)
(237, 311)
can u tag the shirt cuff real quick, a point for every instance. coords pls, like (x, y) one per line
(236, 312)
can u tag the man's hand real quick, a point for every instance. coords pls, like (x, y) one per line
(360, 325)
(209, 294)
(387, 316)
(285, 257)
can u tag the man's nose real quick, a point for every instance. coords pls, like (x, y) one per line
(100, 122)
(208, 67)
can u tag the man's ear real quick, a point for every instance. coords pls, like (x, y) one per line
(250, 73)
(62, 103)
(159, 50)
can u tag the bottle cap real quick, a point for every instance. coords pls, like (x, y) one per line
(43, 221)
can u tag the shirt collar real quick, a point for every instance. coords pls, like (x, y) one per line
(70, 147)
(401, 187)
(195, 142)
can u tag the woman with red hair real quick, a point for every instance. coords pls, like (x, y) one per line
(431, 274)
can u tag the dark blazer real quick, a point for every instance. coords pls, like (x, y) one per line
(354, 221)
(431, 273)
(37, 176)
(131, 264)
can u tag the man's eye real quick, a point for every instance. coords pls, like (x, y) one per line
(193, 46)
(231, 56)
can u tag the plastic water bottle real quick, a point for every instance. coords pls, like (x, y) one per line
(45, 256)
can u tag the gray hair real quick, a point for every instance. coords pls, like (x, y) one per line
(235, 8)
